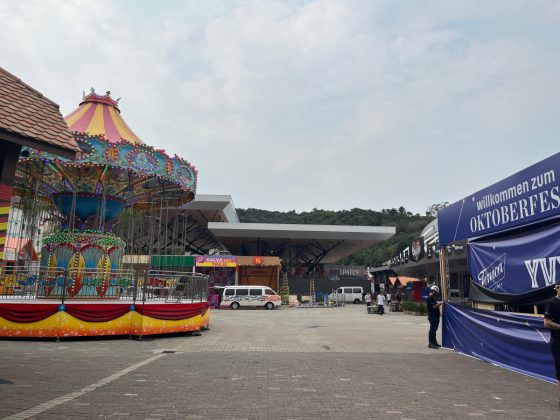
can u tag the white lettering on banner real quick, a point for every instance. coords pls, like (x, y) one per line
(491, 276)
(544, 201)
(548, 268)
(542, 179)
(523, 205)
(513, 212)
(532, 266)
(533, 203)
(541, 202)
(555, 195)
(539, 181)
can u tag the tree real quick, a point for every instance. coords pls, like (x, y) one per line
(434, 208)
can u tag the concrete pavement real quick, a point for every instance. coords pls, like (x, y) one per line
(288, 363)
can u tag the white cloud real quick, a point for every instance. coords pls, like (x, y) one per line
(303, 104)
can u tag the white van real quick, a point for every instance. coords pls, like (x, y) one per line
(347, 294)
(260, 296)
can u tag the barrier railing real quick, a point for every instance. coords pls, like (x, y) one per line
(33, 282)
(174, 286)
(23, 282)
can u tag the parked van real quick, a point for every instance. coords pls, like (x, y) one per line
(347, 294)
(259, 296)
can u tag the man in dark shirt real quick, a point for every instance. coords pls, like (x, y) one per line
(552, 321)
(433, 317)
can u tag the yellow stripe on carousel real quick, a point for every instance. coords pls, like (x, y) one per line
(62, 324)
(145, 325)
(47, 327)
(124, 131)
(96, 125)
(4, 211)
(79, 113)
(73, 327)
(3, 225)
(2, 239)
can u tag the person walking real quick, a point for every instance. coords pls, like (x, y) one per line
(433, 316)
(380, 303)
(552, 321)
(367, 298)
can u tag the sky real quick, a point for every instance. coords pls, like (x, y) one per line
(296, 105)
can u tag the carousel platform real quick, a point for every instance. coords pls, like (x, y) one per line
(39, 318)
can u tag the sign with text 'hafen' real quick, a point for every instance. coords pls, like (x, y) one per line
(528, 196)
(215, 261)
(519, 264)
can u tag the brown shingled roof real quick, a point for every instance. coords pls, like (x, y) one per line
(30, 119)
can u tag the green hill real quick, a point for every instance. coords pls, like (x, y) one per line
(408, 227)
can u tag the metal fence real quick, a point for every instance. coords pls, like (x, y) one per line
(33, 282)
(174, 286)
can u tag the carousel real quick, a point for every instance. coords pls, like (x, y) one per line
(86, 211)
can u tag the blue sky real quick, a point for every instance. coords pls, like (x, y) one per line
(311, 104)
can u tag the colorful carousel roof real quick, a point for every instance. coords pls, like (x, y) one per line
(109, 173)
(100, 115)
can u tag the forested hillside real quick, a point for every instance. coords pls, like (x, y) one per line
(408, 227)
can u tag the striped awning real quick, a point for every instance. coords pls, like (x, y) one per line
(100, 115)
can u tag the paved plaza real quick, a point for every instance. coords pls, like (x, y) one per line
(288, 363)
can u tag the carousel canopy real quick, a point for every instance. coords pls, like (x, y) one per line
(113, 171)
(100, 115)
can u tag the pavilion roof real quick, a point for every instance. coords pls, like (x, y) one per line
(402, 280)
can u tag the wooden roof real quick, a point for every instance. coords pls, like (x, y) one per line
(30, 119)
(402, 280)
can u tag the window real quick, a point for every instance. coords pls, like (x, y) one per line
(269, 292)
(339, 290)
(242, 292)
(230, 292)
(357, 290)
(255, 292)
(347, 290)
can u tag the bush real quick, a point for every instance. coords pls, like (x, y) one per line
(419, 307)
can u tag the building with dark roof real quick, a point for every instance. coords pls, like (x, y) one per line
(27, 118)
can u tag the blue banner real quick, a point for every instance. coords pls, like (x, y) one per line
(513, 341)
(530, 195)
(518, 264)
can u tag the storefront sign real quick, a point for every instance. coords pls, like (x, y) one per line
(344, 271)
(530, 195)
(215, 261)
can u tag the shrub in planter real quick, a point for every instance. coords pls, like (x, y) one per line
(416, 307)
(409, 306)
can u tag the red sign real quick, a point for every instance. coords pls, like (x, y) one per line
(258, 260)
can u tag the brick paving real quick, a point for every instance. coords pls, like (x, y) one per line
(291, 363)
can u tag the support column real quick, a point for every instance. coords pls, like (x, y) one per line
(443, 272)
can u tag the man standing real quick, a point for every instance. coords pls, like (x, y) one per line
(368, 301)
(433, 317)
(380, 303)
(552, 321)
